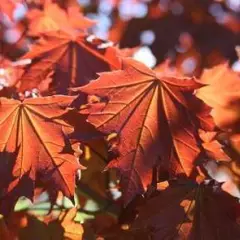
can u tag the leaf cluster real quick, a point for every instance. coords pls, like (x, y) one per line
(75, 105)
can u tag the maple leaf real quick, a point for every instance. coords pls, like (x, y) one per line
(54, 18)
(153, 116)
(189, 211)
(221, 93)
(213, 148)
(75, 60)
(65, 227)
(34, 148)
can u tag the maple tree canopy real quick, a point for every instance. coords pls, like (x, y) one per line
(133, 136)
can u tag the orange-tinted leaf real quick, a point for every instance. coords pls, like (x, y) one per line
(222, 94)
(74, 59)
(65, 227)
(153, 117)
(34, 148)
(54, 18)
(212, 146)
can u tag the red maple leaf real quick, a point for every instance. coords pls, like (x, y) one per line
(34, 148)
(75, 60)
(221, 93)
(154, 117)
(54, 18)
